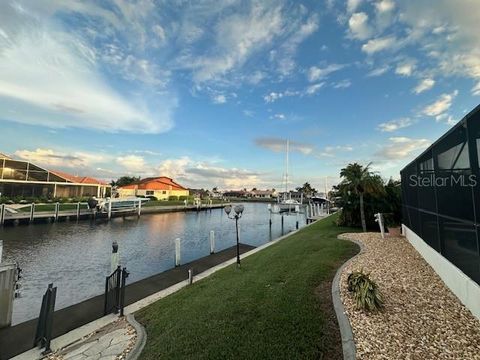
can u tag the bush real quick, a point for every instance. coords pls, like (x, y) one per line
(173, 198)
(183, 197)
(365, 291)
(152, 198)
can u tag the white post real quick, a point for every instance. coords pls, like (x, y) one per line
(139, 207)
(212, 241)
(177, 252)
(1, 250)
(57, 208)
(109, 208)
(318, 209)
(379, 220)
(78, 211)
(312, 210)
(2, 214)
(32, 211)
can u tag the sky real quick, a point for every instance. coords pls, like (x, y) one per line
(207, 92)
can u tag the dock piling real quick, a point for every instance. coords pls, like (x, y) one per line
(78, 211)
(177, 252)
(139, 207)
(109, 208)
(32, 211)
(212, 241)
(57, 209)
(2, 214)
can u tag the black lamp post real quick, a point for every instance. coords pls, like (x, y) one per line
(238, 214)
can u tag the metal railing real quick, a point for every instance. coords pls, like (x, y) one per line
(43, 335)
(115, 291)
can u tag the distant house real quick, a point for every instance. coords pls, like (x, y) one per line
(19, 178)
(236, 193)
(160, 187)
(263, 194)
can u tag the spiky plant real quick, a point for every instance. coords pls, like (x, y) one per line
(365, 291)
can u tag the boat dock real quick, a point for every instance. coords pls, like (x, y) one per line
(81, 211)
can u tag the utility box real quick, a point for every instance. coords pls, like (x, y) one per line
(8, 277)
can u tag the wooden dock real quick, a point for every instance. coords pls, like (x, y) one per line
(11, 216)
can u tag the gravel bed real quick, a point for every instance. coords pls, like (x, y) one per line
(421, 319)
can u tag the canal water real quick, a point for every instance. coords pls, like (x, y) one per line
(75, 256)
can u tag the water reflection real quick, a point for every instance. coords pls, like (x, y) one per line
(75, 256)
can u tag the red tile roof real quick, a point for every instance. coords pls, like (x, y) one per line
(78, 179)
(155, 183)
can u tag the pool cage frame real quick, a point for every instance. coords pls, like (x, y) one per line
(441, 195)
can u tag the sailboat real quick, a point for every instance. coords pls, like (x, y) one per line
(287, 204)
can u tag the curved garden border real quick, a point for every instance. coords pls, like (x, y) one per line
(348, 341)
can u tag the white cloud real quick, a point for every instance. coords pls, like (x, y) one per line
(315, 73)
(50, 78)
(279, 145)
(378, 71)
(378, 44)
(424, 85)
(279, 116)
(402, 147)
(219, 99)
(384, 6)
(134, 164)
(353, 5)
(441, 105)
(476, 89)
(53, 159)
(274, 96)
(405, 69)
(342, 84)
(358, 25)
(313, 89)
(394, 125)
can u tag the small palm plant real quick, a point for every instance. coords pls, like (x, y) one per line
(365, 291)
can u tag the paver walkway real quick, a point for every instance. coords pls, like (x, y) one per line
(111, 342)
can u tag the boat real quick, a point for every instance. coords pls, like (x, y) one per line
(116, 205)
(287, 204)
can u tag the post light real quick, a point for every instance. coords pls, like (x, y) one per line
(238, 214)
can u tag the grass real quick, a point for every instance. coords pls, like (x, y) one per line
(277, 306)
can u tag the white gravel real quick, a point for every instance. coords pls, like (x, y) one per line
(422, 318)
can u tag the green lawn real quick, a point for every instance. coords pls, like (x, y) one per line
(276, 307)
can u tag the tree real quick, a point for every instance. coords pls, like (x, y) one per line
(359, 180)
(125, 180)
(307, 189)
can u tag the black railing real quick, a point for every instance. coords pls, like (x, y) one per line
(115, 291)
(43, 335)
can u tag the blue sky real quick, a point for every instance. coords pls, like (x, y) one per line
(208, 91)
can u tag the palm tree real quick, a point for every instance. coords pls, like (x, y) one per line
(360, 180)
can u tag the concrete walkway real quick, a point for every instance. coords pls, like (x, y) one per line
(74, 316)
(111, 342)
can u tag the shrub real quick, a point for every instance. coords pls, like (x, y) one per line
(173, 198)
(365, 291)
(183, 197)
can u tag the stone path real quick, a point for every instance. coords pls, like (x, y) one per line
(111, 342)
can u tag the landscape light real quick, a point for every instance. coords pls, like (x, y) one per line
(239, 209)
(228, 209)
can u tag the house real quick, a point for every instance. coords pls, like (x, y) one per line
(19, 178)
(263, 194)
(441, 208)
(160, 187)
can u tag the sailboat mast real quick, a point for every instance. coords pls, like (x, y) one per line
(286, 168)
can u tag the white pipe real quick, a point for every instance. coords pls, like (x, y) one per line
(212, 241)
(177, 252)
